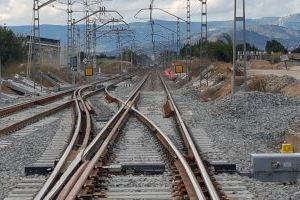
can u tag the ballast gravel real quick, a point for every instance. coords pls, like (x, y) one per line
(6, 100)
(245, 123)
(23, 148)
(275, 83)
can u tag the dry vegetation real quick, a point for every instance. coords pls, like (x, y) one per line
(263, 64)
(272, 84)
(112, 66)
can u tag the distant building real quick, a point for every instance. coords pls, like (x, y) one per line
(48, 52)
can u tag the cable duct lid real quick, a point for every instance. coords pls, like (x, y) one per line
(275, 167)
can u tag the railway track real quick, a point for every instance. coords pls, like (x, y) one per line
(15, 117)
(130, 158)
(77, 143)
(140, 158)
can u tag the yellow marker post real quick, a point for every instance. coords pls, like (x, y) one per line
(179, 69)
(286, 148)
(89, 71)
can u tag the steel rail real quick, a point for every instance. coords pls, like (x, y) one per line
(50, 190)
(21, 124)
(66, 153)
(100, 153)
(8, 110)
(21, 106)
(18, 107)
(191, 145)
(96, 147)
(195, 191)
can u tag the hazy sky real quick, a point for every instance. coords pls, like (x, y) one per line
(19, 12)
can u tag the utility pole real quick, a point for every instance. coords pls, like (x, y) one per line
(94, 46)
(178, 38)
(70, 41)
(203, 40)
(0, 75)
(119, 46)
(34, 42)
(78, 50)
(152, 27)
(239, 63)
(188, 34)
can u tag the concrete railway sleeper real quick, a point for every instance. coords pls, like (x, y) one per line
(81, 184)
(192, 156)
(9, 110)
(80, 137)
(39, 113)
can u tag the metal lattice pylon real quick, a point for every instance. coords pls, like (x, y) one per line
(94, 45)
(239, 61)
(203, 40)
(69, 34)
(88, 34)
(34, 38)
(152, 27)
(188, 35)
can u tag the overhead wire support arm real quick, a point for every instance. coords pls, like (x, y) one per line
(169, 13)
(46, 3)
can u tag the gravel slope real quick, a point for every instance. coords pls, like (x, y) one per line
(248, 122)
(23, 148)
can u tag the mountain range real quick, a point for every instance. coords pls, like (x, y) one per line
(284, 29)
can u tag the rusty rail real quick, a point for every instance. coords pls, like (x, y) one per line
(55, 183)
(99, 145)
(190, 144)
(8, 110)
(106, 137)
(190, 181)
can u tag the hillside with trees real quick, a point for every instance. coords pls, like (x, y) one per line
(12, 47)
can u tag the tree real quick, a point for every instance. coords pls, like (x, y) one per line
(275, 46)
(249, 47)
(12, 47)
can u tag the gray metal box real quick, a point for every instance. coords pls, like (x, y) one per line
(275, 167)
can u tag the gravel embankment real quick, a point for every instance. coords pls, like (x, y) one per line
(124, 89)
(137, 145)
(248, 122)
(276, 83)
(23, 148)
(10, 100)
(103, 111)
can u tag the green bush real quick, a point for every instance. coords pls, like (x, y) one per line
(12, 47)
